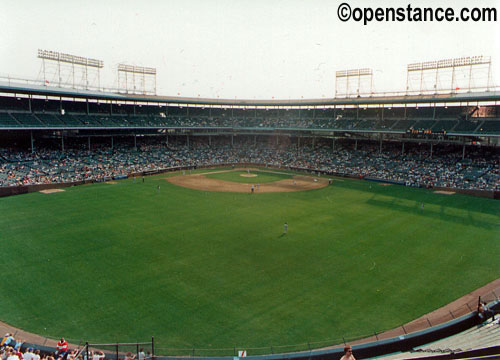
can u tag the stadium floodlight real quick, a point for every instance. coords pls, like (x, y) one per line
(136, 69)
(72, 59)
(145, 75)
(357, 77)
(79, 65)
(438, 71)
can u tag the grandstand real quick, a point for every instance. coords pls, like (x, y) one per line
(454, 136)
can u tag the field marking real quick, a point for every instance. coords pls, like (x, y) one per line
(51, 191)
(248, 175)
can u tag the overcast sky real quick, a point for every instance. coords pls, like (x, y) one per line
(248, 49)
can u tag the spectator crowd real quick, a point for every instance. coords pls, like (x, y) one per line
(417, 166)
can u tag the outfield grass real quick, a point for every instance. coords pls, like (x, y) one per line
(213, 270)
(240, 176)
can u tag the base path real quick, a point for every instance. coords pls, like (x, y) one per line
(201, 182)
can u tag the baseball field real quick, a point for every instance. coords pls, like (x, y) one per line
(205, 267)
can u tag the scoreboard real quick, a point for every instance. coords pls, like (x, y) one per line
(425, 132)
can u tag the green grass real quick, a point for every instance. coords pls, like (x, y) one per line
(108, 263)
(262, 176)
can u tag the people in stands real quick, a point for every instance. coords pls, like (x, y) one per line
(484, 312)
(62, 348)
(11, 354)
(445, 168)
(141, 355)
(8, 340)
(129, 356)
(348, 353)
(28, 354)
(98, 355)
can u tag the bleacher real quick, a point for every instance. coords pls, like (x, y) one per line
(27, 119)
(403, 125)
(490, 126)
(424, 124)
(485, 335)
(69, 120)
(466, 126)
(444, 125)
(460, 120)
(50, 120)
(8, 121)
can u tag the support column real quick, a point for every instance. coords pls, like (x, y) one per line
(89, 142)
(135, 142)
(314, 142)
(187, 141)
(298, 142)
(112, 142)
(356, 145)
(166, 140)
(62, 142)
(32, 141)
(232, 140)
(255, 140)
(431, 149)
(209, 140)
(463, 152)
(402, 148)
(380, 147)
(333, 144)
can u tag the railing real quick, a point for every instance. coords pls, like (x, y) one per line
(440, 316)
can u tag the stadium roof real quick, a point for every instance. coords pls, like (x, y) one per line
(375, 99)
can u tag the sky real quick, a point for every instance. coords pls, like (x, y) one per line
(243, 49)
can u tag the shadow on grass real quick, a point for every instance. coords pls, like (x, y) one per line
(419, 195)
(431, 212)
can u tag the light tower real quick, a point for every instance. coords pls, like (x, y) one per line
(449, 75)
(64, 70)
(357, 82)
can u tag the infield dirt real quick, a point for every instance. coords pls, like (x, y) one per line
(201, 182)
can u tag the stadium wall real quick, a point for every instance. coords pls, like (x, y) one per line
(490, 194)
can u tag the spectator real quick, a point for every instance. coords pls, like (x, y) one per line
(62, 348)
(348, 353)
(28, 354)
(98, 355)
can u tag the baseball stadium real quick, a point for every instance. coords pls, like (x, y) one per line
(261, 193)
(268, 226)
